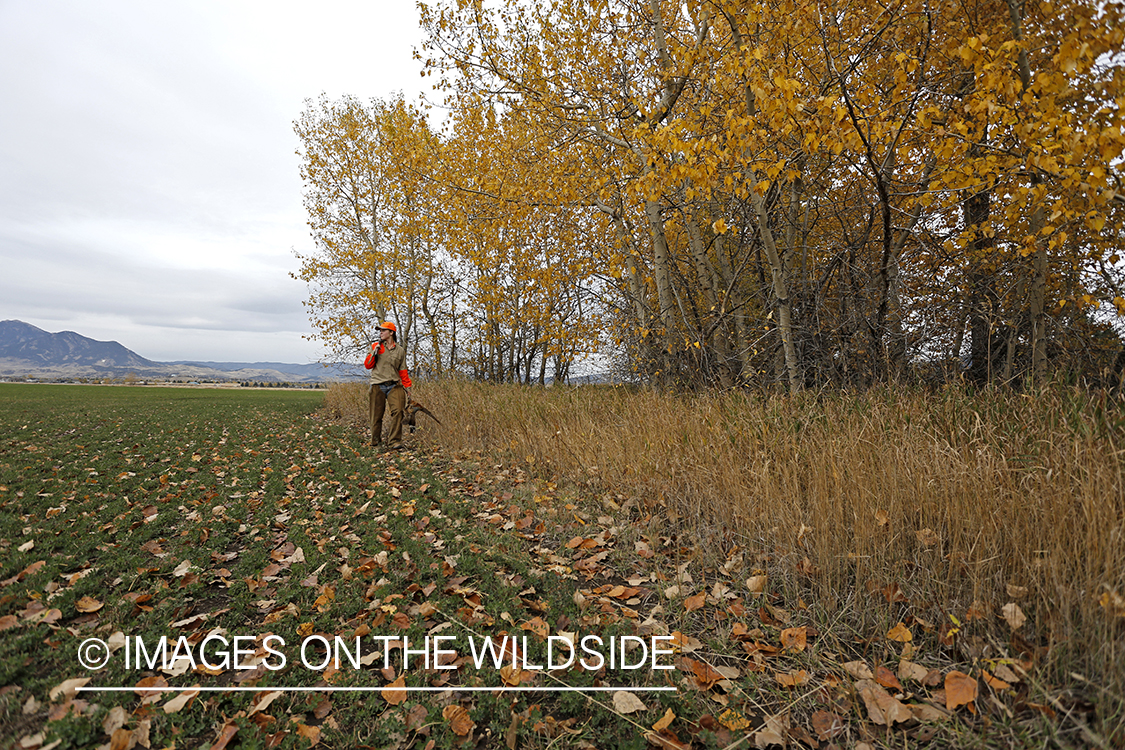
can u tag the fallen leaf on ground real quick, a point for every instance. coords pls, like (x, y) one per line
(705, 676)
(684, 643)
(794, 639)
(264, 701)
(792, 679)
(459, 720)
(114, 720)
(312, 734)
(827, 725)
(995, 682)
(665, 720)
(693, 603)
(393, 696)
(230, 729)
(886, 678)
(960, 689)
(908, 670)
(181, 701)
(859, 670)
(900, 633)
(88, 604)
(1005, 673)
(882, 708)
(626, 703)
(772, 733)
(1013, 615)
(68, 688)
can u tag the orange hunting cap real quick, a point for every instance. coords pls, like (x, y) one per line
(390, 327)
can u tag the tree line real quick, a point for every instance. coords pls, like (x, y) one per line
(725, 192)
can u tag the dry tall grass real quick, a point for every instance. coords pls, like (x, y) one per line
(957, 498)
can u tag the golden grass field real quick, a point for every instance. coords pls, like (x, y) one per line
(966, 502)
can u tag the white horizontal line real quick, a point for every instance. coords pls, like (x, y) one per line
(379, 689)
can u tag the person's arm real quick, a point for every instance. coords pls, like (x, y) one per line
(369, 363)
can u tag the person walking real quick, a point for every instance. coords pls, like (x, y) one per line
(389, 381)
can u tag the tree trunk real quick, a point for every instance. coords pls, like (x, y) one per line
(1038, 286)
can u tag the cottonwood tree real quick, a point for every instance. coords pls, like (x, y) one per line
(366, 170)
(771, 191)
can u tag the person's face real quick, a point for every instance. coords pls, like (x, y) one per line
(384, 335)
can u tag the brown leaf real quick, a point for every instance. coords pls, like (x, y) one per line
(114, 720)
(30, 570)
(893, 593)
(995, 682)
(392, 696)
(827, 725)
(67, 688)
(625, 702)
(264, 700)
(757, 584)
(886, 678)
(794, 639)
(230, 729)
(182, 699)
(684, 643)
(1005, 673)
(312, 734)
(665, 720)
(705, 676)
(120, 739)
(793, 679)
(538, 626)
(859, 670)
(513, 675)
(459, 720)
(88, 604)
(665, 741)
(908, 670)
(8, 621)
(960, 690)
(1013, 615)
(145, 691)
(693, 603)
(773, 732)
(882, 708)
(900, 633)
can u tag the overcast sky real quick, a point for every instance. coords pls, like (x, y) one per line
(149, 189)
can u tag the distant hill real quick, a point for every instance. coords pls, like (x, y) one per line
(28, 351)
(23, 341)
(314, 370)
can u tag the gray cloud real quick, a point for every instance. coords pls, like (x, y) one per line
(148, 183)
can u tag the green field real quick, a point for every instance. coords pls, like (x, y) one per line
(139, 513)
(223, 519)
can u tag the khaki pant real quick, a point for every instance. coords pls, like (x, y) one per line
(377, 404)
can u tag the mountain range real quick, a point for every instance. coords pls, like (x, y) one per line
(28, 351)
